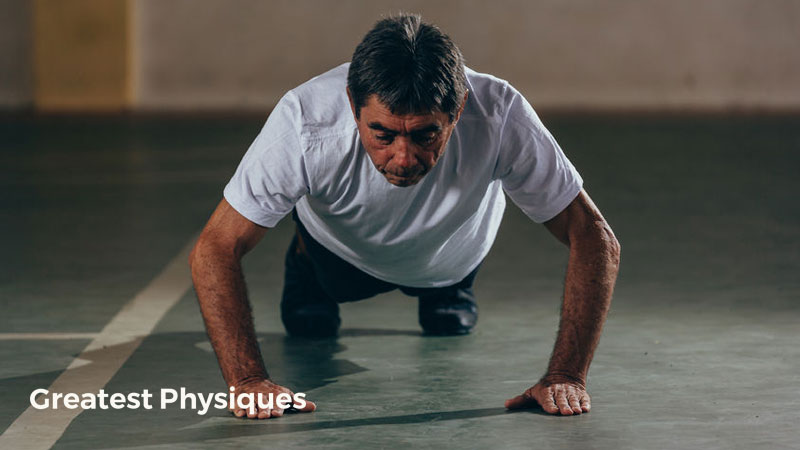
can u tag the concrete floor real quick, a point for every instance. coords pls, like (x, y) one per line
(700, 349)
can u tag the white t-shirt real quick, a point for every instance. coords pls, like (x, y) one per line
(432, 234)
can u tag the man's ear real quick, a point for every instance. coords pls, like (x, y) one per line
(352, 105)
(463, 104)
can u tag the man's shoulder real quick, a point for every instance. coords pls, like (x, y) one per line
(323, 105)
(485, 82)
(489, 96)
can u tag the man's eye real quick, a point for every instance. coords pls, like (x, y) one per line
(427, 138)
(386, 138)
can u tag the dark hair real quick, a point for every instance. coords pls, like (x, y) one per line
(410, 65)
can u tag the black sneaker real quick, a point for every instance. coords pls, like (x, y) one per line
(306, 311)
(451, 313)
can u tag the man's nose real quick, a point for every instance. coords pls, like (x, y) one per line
(404, 154)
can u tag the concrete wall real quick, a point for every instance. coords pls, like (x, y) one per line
(587, 54)
(16, 37)
(243, 54)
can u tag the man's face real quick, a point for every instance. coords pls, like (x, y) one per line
(403, 147)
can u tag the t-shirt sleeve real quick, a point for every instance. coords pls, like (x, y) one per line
(272, 175)
(533, 169)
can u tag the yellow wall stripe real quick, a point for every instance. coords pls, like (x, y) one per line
(81, 55)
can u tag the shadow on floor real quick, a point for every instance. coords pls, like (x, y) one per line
(359, 332)
(233, 427)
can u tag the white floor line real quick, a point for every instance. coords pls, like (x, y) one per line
(108, 351)
(45, 336)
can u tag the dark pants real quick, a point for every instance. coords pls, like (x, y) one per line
(341, 282)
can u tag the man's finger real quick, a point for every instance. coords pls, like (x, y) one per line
(563, 404)
(263, 414)
(310, 406)
(586, 405)
(548, 403)
(520, 401)
(574, 404)
(238, 413)
(277, 412)
(252, 413)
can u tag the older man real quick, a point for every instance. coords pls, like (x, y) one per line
(394, 167)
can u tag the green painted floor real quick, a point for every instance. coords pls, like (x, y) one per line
(700, 349)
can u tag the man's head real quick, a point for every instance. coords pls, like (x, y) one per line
(407, 89)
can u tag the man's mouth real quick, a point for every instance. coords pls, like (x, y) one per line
(400, 180)
(406, 175)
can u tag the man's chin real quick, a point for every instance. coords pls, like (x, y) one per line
(402, 181)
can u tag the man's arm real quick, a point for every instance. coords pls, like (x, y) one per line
(222, 294)
(594, 254)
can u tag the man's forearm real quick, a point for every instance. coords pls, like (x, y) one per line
(591, 274)
(222, 294)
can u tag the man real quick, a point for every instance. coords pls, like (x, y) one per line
(394, 168)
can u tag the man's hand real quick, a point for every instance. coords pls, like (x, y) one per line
(563, 397)
(264, 387)
(594, 254)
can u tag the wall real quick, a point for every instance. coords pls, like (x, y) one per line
(16, 78)
(717, 55)
(584, 54)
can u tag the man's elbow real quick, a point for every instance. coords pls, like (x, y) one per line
(601, 240)
(192, 256)
(611, 245)
(197, 254)
(208, 249)
(200, 251)
(203, 252)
